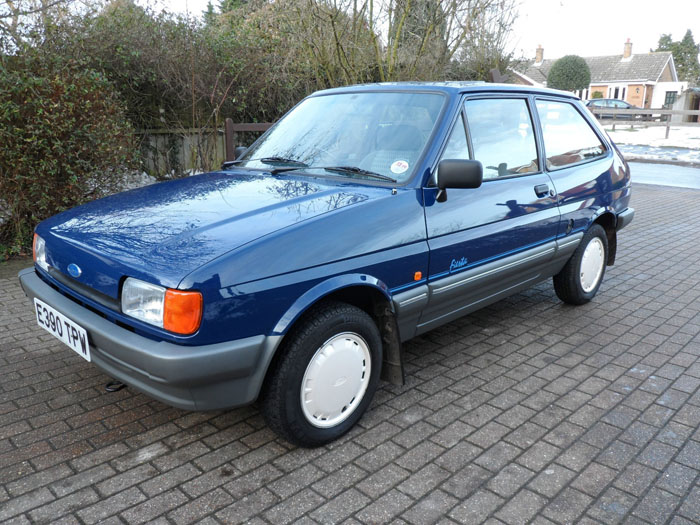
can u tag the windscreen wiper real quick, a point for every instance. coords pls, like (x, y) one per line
(342, 169)
(267, 160)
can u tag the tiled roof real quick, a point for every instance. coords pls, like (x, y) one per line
(647, 68)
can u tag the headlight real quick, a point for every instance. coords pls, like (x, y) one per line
(39, 252)
(143, 301)
(174, 310)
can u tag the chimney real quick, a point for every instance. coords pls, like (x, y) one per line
(628, 49)
(539, 54)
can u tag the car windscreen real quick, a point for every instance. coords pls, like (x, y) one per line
(383, 133)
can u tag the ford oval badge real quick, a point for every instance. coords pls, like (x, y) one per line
(74, 270)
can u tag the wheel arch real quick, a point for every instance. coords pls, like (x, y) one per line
(365, 292)
(608, 220)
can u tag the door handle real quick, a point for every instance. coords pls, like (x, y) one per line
(542, 190)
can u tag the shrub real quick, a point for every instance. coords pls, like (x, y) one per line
(64, 138)
(569, 73)
(597, 94)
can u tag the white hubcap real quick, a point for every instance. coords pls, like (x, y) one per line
(335, 380)
(592, 264)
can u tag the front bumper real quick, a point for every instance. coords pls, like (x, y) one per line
(208, 377)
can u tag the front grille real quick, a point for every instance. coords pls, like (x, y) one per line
(85, 291)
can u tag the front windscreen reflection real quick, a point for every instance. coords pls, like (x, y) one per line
(384, 133)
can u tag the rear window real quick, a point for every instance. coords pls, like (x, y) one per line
(568, 138)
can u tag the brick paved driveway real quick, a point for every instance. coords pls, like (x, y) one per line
(527, 411)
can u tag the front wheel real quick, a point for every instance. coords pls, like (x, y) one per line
(579, 280)
(326, 376)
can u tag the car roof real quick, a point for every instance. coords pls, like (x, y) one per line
(449, 87)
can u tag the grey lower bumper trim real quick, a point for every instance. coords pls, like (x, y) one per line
(195, 377)
(624, 218)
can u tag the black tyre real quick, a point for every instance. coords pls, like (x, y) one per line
(325, 377)
(578, 282)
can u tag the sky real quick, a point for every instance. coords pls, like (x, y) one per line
(578, 27)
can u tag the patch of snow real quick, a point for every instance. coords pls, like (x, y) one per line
(135, 179)
(678, 137)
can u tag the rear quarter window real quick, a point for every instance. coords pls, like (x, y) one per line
(568, 138)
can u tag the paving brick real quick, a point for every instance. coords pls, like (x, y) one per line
(429, 509)
(336, 482)
(617, 455)
(423, 481)
(293, 482)
(690, 455)
(635, 479)
(458, 456)
(242, 486)
(419, 455)
(521, 508)
(690, 507)
(194, 511)
(25, 503)
(656, 455)
(126, 479)
(657, 506)
(137, 457)
(477, 508)
(341, 507)
(384, 509)
(567, 506)
(110, 506)
(611, 507)
(42, 478)
(292, 509)
(550, 481)
(57, 508)
(154, 507)
(677, 479)
(509, 480)
(497, 456)
(86, 461)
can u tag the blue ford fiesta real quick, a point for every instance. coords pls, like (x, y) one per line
(366, 216)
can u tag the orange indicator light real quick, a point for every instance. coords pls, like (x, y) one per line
(417, 276)
(182, 311)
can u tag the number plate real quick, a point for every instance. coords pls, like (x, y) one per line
(62, 328)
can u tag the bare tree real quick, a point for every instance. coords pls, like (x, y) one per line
(19, 19)
(349, 41)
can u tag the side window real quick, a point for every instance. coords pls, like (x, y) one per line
(568, 138)
(456, 147)
(502, 136)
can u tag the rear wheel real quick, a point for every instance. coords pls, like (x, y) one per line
(326, 376)
(578, 282)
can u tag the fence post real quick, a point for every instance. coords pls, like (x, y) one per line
(230, 140)
(668, 125)
(614, 119)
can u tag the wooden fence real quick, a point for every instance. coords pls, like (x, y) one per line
(647, 117)
(165, 152)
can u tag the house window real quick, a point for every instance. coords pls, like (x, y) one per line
(624, 92)
(670, 98)
(617, 93)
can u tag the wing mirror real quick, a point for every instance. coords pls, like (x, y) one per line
(458, 173)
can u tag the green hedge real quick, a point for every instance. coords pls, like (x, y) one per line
(65, 140)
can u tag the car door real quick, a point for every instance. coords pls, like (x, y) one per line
(585, 173)
(489, 242)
